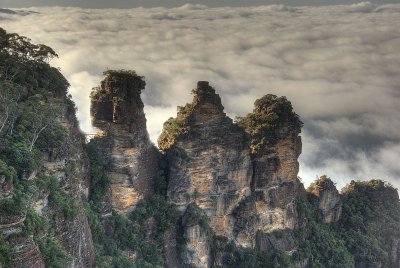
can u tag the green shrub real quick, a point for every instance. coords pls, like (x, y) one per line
(62, 201)
(174, 127)
(7, 171)
(5, 251)
(33, 223)
(13, 206)
(21, 158)
(53, 253)
(158, 208)
(52, 137)
(270, 113)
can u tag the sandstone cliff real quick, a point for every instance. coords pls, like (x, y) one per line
(197, 238)
(275, 144)
(247, 187)
(209, 163)
(117, 110)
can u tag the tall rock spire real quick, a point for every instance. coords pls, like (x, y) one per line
(117, 110)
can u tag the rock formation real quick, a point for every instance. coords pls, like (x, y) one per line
(245, 191)
(220, 194)
(328, 198)
(117, 110)
(28, 253)
(209, 162)
(275, 144)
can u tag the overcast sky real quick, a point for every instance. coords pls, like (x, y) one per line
(172, 3)
(339, 65)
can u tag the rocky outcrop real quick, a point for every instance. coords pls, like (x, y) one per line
(117, 110)
(209, 162)
(246, 183)
(275, 144)
(328, 199)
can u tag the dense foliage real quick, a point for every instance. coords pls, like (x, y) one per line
(370, 220)
(99, 181)
(270, 113)
(53, 253)
(319, 243)
(32, 99)
(5, 251)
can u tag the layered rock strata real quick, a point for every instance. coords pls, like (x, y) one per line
(275, 144)
(117, 110)
(246, 193)
(210, 163)
(28, 253)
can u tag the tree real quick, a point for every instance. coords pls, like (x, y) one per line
(10, 95)
(41, 114)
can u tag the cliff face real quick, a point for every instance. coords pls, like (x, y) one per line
(210, 163)
(69, 163)
(73, 234)
(117, 110)
(213, 163)
(28, 253)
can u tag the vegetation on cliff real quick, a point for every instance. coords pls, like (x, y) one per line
(321, 184)
(99, 93)
(32, 97)
(174, 127)
(370, 221)
(118, 238)
(271, 113)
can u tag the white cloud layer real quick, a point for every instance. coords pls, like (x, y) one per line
(339, 65)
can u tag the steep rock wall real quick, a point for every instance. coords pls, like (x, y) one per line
(117, 110)
(197, 237)
(247, 185)
(210, 163)
(273, 129)
(74, 234)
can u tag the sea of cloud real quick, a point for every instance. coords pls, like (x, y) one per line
(339, 65)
